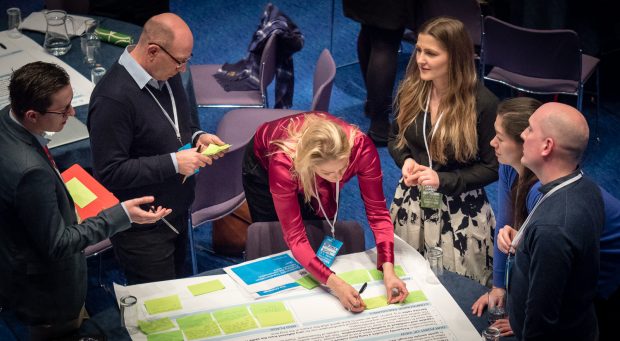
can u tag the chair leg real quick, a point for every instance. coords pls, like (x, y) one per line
(580, 98)
(99, 271)
(192, 250)
(598, 107)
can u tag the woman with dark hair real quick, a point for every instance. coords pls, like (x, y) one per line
(440, 139)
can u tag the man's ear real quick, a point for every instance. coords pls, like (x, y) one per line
(548, 146)
(31, 116)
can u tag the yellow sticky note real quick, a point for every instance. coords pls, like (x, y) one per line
(238, 325)
(376, 302)
(195, 320)
(415, 297)
(201, 332)
(355, 276)
(376, 274)
(267, 307)
(163, 304)
(399, 271)
(206, 287)
(231, 314)
(213, 149)
(155, 326)
(308, 282)
(275, 318)
(169, 336)
(81, 195)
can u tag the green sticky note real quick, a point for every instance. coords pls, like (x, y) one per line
(267, 307)
(195, 320)
(376, 302)
(206, 287)
(415, 297)
(308, 282)
(355, 276)
(82, 196)
(275, 318)
(399, 271)
(376, 274)
(213, 149)
(155, 326)
(169, 336)
(202, 332)
(163, 304)
(238, 325)
(231, 314)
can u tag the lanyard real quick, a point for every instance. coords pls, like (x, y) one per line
(519, 236)
(428, 152)
(332, 224)
(175, 124)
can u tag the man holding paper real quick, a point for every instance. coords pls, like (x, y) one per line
(42, 265)
(142, 134)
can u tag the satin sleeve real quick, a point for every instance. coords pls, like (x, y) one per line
(284, 192)
(370, 178)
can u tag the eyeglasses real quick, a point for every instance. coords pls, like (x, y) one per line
(64, 114)
(179, 63)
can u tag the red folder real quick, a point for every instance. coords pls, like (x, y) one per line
(92, 197)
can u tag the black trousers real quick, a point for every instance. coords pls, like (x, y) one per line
(153, 252)
(608, 316)
(257, 193)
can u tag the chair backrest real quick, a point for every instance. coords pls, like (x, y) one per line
(323, 81)
(268, 65)
(219, 189)
(467, 11)
(97, 248)
(550, 54)
(239, 125)
(266, 238)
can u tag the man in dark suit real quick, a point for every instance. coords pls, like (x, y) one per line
(42, 265)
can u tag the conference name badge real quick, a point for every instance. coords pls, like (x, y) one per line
(328, 250)
(430, 198)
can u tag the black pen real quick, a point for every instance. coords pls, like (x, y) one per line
(3, 46)
(363, 288)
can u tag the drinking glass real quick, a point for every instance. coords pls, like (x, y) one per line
(497, 306)
(14, 20)
(97, 73)
(129, 313)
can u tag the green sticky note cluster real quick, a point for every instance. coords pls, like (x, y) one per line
(415, 297)
(206, 287)
(376, 274)
(376, 302)
(355, 276)
(176, 335)
(198, 326)
(235, 320)
(271, 314)
(213, 149)
(308, 282)
(399, 271)
(155, 326)
(163, 304)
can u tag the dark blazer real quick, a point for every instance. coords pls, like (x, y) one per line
(42, 265)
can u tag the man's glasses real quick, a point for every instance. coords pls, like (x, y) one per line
(64, 114)
(179, 63)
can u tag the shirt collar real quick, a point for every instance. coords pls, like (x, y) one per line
(136, 71)
(41, 139)
(549, 186)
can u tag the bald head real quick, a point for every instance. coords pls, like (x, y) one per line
(566, 126)
(165, 29)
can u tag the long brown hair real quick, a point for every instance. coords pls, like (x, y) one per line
(515, 113)
(457, 134)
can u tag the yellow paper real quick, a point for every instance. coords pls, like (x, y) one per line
(375, 302)
(155, 326)
(275, 318)
(163, 304)
(267, 307)
(376, 274)
(82, 196)
(415, 297)
(231, 314)
(169, 336)
(213, 149)
(202, 332)
(399, 271)
(355, 276)
(308, 282)
(238, 325)
(195, 320)
(206, 287)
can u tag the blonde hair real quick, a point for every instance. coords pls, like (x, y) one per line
(457, 134)
(317, 140)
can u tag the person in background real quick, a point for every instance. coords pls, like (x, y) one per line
(293, 170)
(517, 195)
(139, 123)
(42, 263)
(382, 26)
(553, 261)
(440, 140)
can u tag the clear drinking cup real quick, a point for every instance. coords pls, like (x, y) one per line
(97, 73)
(14, 20)
(129, 313)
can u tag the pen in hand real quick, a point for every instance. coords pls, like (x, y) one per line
(363, 288)
(166, 222)
(198, 150)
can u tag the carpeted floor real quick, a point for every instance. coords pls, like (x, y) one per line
(222, 30)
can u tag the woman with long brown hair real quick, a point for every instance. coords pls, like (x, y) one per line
(440, 139)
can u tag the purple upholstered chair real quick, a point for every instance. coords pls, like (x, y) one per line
(266, 238)
(537, 61)
(96, 250)
(209, 93)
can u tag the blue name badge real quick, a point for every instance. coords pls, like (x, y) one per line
(328, 250)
